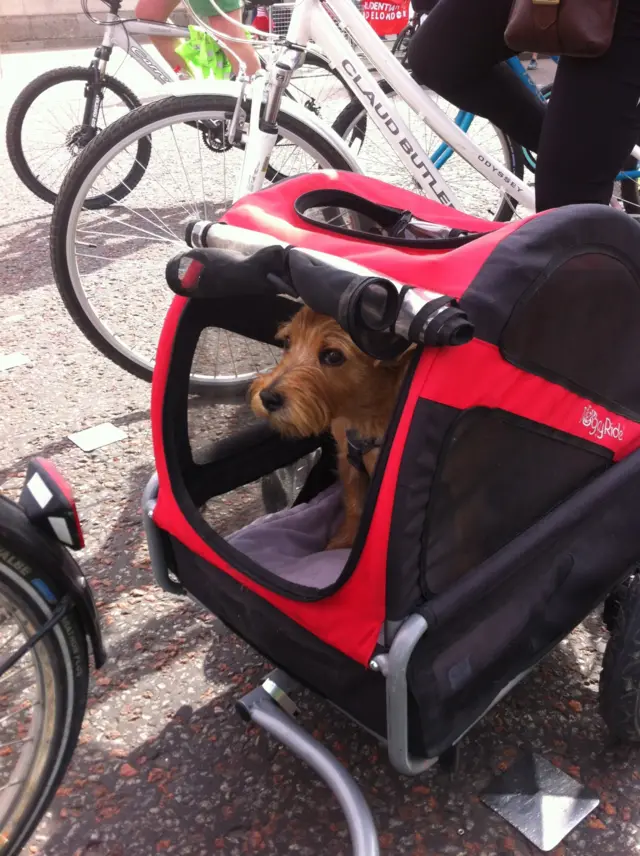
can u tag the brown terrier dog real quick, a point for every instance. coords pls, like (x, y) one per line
(325, 383)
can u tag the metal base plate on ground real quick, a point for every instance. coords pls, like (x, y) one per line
(12, 361)
(95, 438)
(539, 800)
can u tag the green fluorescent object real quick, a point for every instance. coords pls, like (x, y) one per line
(203, 55)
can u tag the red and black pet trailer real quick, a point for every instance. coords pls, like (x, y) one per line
(504, 507)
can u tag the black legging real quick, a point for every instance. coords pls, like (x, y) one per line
(593, 119)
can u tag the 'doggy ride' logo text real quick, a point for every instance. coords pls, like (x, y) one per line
(601, 428)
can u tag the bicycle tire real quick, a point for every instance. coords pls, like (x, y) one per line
(619, 691)
(354, 114)
(18, 114)
(88, 164)
(25, 556)
(406, 34)
(613, 601)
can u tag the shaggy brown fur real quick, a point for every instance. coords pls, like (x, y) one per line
(325, 383)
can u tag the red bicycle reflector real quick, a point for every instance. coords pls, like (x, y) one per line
(48, 502)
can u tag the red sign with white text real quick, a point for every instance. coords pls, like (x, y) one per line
(386, 17)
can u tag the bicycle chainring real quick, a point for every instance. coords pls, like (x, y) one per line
(215, 135)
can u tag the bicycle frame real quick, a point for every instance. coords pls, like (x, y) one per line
(311, 21)
(464, 119)
(121, 34)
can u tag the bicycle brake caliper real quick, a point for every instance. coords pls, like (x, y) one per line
(238, 119)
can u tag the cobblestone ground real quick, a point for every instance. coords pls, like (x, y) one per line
(164, 764)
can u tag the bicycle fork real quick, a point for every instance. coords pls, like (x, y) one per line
(93, 93)
(266, 98)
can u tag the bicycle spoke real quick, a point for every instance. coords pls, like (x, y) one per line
(20, 742)
(148, 237)
(8, 717)
(136, 213)
(153, 178)
(58, 173)
(47, 153)
(41, 160)
(233, 359)
(224, 172)
(215, 362)
(55, 118)
(204, 197)
(188, 171)
(15, 635)
(11, 784)
(177, 147)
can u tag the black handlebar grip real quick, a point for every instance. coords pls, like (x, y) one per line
(183, 273)
(439, 323)
(215, 273)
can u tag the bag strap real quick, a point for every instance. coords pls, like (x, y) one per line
(393, 221)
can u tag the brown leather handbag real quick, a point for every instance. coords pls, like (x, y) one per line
(582, 28)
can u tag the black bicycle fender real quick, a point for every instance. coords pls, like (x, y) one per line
(25, 549)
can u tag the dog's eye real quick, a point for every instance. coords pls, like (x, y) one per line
(331, 357)
(285, 341)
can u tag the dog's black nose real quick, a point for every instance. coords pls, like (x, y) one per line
(271, 400)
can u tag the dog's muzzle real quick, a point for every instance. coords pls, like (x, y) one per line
(271, 400)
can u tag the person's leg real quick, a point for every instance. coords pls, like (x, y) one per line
(159, 10)
(249, 14)
(593, 120)
(424, 6)
(243, 50)
(459, 52)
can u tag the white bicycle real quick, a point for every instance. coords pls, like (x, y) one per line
(109, 265)
(58, 113)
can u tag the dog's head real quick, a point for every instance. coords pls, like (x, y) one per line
(322, 376)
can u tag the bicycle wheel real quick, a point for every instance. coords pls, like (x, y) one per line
(45, 131)
(475, 194)
(401, 44)
(619, 692)
(43, 695)
(109, 265)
